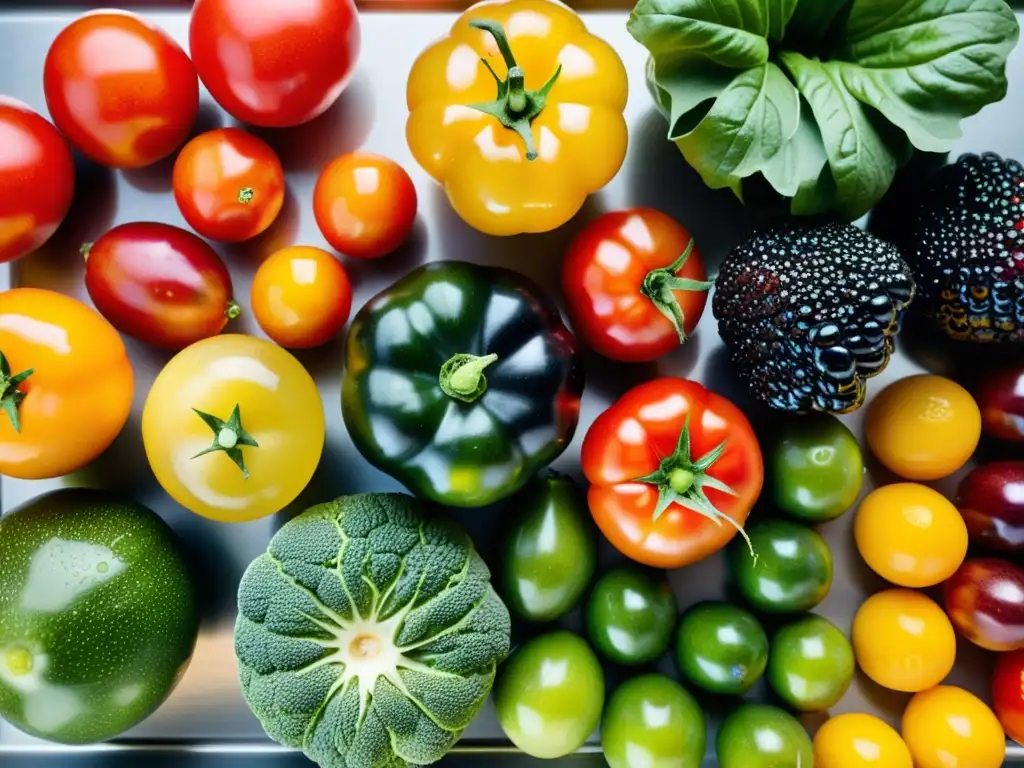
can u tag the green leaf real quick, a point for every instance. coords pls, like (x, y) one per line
(680, 85)
(815, 22)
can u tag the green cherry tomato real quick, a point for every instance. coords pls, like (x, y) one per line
(653, 722)
(549, 694)
(759, 736)
(811, 664)
(549, 550)
(630, 616)
(721, 648)
(792, 571)
(816, 468)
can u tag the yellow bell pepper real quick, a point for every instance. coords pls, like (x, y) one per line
(518, 114)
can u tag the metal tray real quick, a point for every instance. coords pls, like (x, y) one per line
(205, 722)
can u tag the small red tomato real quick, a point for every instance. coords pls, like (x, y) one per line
(274, 63)
(991, 501)
(122, 91)
(634, 285)
(985, 602)
(160, 284)
(1001, 399)
(1008, 693)
(37, 179)
(229, 185)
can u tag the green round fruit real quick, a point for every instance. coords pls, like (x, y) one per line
(654, 722)
(811, 664)
(98, 617)
(549, 694)
(721, 648)
(630, 616)
(549, 550)
(759, 736)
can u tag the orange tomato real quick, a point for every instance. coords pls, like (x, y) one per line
(66, 384)
(301, 297)
(859, 741)
(947, 727)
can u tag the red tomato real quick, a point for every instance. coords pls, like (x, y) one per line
(634, 285)
(274, 62)
(985, 602)
(159, 284)
(228, 184)
(37, 179)
(991, 502)
(1001, 400)
(122, 91)
(1008, 693)
(674, 471)
(364, 204)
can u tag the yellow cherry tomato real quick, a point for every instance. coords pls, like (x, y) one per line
(910, 535)
(859, 741)
(233, 428)
(923, 427)
(902, 640)
(947, 727)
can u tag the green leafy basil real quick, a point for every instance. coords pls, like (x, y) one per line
(800, 169)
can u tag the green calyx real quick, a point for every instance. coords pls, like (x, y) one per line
(245, 195)
(229, 437)
(462, 376)
(659, 284)
(10, 394)
(515, 107)
(233, 310)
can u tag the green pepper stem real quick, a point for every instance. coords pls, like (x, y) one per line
(462, 376)
(245, 195)
(659, 285)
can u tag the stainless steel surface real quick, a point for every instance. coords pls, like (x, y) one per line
(206, 722)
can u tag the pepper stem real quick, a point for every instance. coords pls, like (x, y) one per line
(233, 310)
(245, 195)
(229, 437)
(462, 376)
(660, 284)
(10, 392)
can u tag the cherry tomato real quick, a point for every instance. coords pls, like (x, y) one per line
(229, 185)
(37, 179)
(1008, 693)
(634, 285)
(947, 727)
(365, 205)
(902, 640)
(991, 500)
(301, 297)
(66, 384)
(1001, 399)
(274, 62)
(159, 284)
(233, 428)
(985, 602)
(122, 91)
(859, 741)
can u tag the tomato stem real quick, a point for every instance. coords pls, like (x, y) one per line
(659, 286)
(85, 249)
(245, 195)
(233, 310)
(10, 392)
(462, 376)
(229, 437)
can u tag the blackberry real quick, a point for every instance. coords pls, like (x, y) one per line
(809, 312)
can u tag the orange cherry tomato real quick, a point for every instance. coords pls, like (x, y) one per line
(854, 740)
(65, 384)
(228, 184)
(947, 727)
(364, 204)
(301, 297)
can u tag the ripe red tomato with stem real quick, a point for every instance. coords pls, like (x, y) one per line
(1008, 693)
(159, 284)
(274, 63)
(634, 283)
(674, 470)
(120, 88)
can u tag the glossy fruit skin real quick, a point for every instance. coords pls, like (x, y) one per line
(549, 548)
(79, 395)
(364, 204)
(604, 297)
(923, 427)
(903, 641)
(120, 89)
(1008, 693)
(793, 571)
(614, 457)
(273, 63)
(760, 736)
(301, 296)
(280, 408)
(37, 179)
(630, 616)
(721, 648)
(855, 740)
(947, 727)
(654, 720)
(910, 535)
(159, 284)
(97, 585)
(816, 468)
(228, 184)
(549, 693)
(1001, 400)
(991, 501)
(985, 602)
(811, 664)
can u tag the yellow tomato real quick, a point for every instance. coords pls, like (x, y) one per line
(947, 727)
(859, 741)
(923, 427)
(910, 535)
(233, 428)
(903, 640)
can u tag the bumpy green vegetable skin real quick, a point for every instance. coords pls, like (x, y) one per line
(368, 634)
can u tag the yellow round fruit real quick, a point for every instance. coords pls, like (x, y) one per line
(859, 741)
(947, 727)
